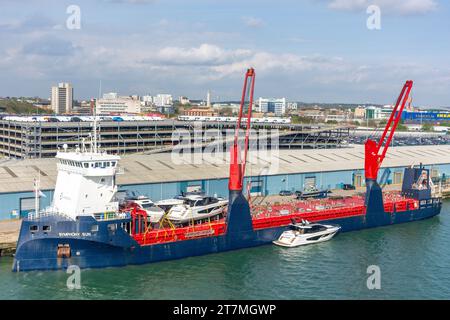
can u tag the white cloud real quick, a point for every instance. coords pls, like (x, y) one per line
(129, 65)
(401, 7)
(205, 54)
(285, 63)
(253, 22)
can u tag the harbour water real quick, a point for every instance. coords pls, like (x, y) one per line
(414, 260)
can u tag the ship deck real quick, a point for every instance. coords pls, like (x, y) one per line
(272, 213)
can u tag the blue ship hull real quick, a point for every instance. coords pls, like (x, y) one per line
(113, 246)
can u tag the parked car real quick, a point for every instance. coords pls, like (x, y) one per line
(348, 187)
(285, 193)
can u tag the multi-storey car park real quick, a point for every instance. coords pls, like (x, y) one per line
(39, 139)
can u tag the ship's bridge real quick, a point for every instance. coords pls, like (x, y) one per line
(88, 163)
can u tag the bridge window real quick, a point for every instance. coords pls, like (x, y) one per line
(34, 228)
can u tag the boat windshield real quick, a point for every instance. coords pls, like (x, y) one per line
(315, 228)
(191, 203)
(146, 205)
(308, 229)
(201, 202)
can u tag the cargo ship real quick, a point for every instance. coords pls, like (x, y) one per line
(84, 225)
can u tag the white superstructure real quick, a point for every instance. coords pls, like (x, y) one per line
(85, 184)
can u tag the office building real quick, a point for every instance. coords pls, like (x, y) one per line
(162, 100)
(275, 106)
(62, 98)
(118, 105)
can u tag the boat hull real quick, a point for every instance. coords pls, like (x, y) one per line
(112, 250)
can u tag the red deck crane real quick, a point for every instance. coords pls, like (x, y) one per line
(237, 166)
(373, 157)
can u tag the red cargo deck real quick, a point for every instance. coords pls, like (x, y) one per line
(270, 216)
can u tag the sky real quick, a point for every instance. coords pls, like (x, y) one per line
(304, 50)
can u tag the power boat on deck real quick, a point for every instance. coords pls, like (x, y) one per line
(167, 204)
(154, 212)
(306, 233)
(198, 208)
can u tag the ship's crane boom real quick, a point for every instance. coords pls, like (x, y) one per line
(237, 166)
(375, 152)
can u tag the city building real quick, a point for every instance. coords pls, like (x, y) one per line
(373, 113)
(167, 109)
(162, 100)
(146, 100)
(219, 107)
(205, 112)
(85, 107)
(292, 106)
(110, 95)
(62, 98)
(315, 114)
(118, 105)
(336, 117)
(425, 116)
(275, 106)
(359, 113)
(386, 111)
(184, 100)
(377, 113)
(208, 99)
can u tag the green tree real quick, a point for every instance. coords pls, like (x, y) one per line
(15, 106)
(226, 111)
(427, 127)
(296, 119)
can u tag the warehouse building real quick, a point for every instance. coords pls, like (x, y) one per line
(158, 176)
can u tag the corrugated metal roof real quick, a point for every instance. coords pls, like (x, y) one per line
(18, 175)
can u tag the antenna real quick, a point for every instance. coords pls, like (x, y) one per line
(95, 119)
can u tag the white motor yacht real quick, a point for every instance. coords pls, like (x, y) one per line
(154, 212)
(306, 233)
(167, 204)
(198, 208)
